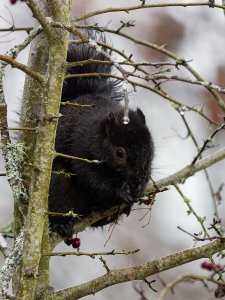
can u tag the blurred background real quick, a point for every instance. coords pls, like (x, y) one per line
(196, 34)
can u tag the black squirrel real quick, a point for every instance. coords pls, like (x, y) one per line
(97, 133)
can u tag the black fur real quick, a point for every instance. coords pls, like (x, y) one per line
(126, 151)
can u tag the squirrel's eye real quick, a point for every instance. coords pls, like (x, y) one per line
(120, 152)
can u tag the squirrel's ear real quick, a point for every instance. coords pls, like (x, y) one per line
(141, 116)
(109, 124)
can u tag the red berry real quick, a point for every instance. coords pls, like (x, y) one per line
(14, 1)
(210, 267)
(76, 242)
(68, 241)
(217, 267)
(204, 264)
(207, 265)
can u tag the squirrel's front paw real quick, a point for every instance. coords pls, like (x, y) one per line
(125, 194)
(65, 228)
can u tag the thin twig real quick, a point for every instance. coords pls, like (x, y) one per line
(191, 210)
(207, 141)
(111, 229)
(78, 158)
(70, 214)
(92, 255)
(172, 284)
(77, 104)
(197, 238)
(127, 63)
(130, 8)
(14, 28)
(18, 48)
(168, 53)
(188, 171)
(19, 129)
(190, 133)
(145, 86)
(104, 264)
(61, 172)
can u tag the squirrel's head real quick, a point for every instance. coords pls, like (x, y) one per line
(128, 148)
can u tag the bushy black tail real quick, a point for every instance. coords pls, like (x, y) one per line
(74, 87)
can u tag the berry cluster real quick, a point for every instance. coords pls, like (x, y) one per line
(75, 242)
(210, 266)
(14, 1)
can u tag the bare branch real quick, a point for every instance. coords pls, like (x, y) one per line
(130, 8)
(104, 264)
(197, 238)
(22, 67)
(76, 104)
(140, 271)
(190, 133)
(145, 86)
(18, 48)
(207, 141)
(14, 28)
(187, 201)
(188, 171)
(172, 284)
(92, 255)
(168, 53)
(39, 15)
